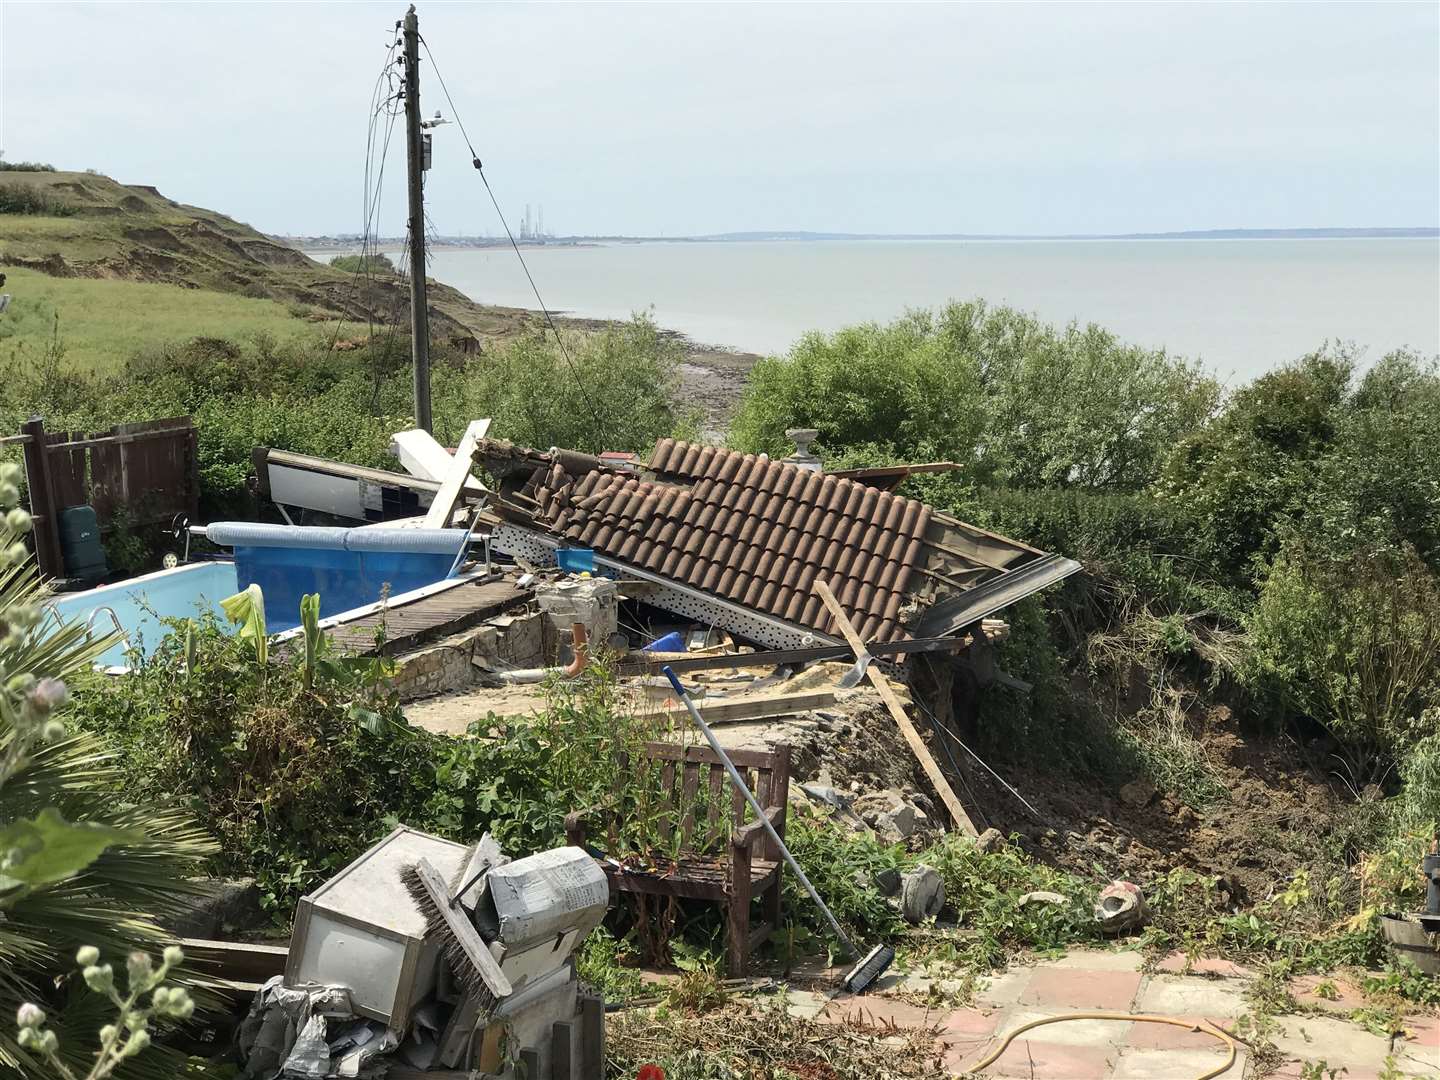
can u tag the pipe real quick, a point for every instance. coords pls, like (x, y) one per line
(1202, 1026)
(538, 674)
(582, 651)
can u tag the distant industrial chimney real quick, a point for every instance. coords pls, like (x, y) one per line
(802, 457)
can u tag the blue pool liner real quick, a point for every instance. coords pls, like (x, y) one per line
(349, 568)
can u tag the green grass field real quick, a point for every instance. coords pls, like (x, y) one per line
(102, 323)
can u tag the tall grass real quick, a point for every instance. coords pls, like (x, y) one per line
(102, 323)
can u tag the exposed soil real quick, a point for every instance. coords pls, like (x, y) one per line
(1276, 819)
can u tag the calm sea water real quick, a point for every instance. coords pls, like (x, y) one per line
(1240, 306)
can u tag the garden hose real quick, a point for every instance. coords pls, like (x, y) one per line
(1204, 1027)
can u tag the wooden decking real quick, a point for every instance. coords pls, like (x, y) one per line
(428, 617)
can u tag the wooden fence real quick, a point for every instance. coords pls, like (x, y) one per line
(145, 473)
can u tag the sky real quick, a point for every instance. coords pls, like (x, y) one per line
(689, 119)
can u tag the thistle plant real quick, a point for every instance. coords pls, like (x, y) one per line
(129, 1035)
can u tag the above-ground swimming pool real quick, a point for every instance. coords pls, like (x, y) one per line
(349, 568)
(140, 604)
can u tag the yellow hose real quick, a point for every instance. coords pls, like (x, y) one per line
(1203, 1027)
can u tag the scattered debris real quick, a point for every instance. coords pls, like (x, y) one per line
(989, 840)
(1137, 793)
(1042, 896)
(435, 955)
(1121, 906)
(922, 894)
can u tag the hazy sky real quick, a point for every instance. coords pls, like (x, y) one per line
(695, 118)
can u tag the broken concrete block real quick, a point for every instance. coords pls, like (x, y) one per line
(989, 840)
(900, 822)
(887, 881)
(922, 894)
(1043, 896)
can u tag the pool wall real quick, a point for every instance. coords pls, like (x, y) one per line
(141, 603)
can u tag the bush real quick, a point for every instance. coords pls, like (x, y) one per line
(374, 263)
(24, 199)
(1351, 642)
(303, 397)
(611, 390)
(25, 166)
(258, 757)
(1017, 402)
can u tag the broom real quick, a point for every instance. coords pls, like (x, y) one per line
(460, 943)
(874, 963)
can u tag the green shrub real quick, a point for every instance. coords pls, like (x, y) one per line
(1017, 402)
(25, 166)
(24, 199)
(610, 390)
(1351, 642)
(374, 263)
(258, 758)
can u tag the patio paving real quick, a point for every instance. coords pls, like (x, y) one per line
(1121, 1049)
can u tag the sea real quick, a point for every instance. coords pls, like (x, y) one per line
(1240, 307)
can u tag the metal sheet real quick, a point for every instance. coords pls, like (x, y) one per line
(957, 612)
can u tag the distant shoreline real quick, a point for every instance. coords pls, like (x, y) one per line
(348, 243)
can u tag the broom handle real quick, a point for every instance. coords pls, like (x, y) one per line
(739, 782)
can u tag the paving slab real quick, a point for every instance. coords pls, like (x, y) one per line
(1150, 1036)
(1339, 994)
(1099, 960)
(1033, 1060)
(1111, 1034)
(805, 1004)
(1191, 995)
(1175, 1065)
(1175, 964)
(873, 1011)
(1075, 988)
(1005, 988)
(1338, 1043)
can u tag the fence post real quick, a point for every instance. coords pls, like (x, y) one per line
(42, 499)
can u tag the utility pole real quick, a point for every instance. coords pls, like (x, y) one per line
(415, 170)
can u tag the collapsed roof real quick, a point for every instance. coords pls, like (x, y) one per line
(739, 540)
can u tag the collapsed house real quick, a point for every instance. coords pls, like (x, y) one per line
(738, 540)
(719, 537)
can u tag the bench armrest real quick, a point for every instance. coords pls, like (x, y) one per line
(746, 835)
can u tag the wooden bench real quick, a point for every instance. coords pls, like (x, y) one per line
(707, 868)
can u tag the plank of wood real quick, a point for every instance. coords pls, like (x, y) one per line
(897, 710)
(562, 1050)
(438, 516)
(734, 712)
(234, 960)
(592, 1036)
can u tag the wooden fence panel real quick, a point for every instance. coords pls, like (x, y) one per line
(146, 471)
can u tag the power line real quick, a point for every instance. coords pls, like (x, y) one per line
(544, 310)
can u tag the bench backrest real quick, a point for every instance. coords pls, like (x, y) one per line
(693, 776)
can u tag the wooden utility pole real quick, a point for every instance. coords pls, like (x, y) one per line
(415, 171)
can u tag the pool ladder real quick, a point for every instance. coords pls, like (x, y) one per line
(52, 613)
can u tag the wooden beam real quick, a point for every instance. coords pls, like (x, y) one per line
(734, 712)
(441, 510)
(897, 710)
(233, 960)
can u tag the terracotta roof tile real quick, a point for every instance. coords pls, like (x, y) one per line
(756, 531)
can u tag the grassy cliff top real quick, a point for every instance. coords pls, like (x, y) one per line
(89, 233)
